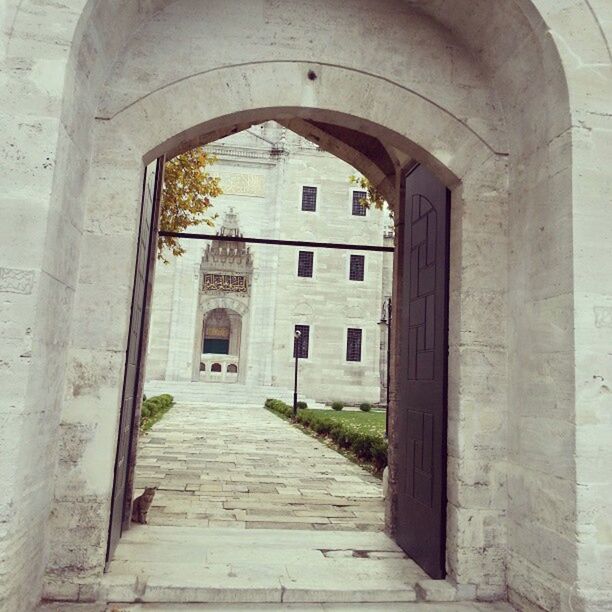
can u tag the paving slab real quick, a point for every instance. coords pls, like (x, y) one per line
(209, 462)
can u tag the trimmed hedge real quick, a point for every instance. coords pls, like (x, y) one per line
(337, 405)
(365, 407)
(368, 448)
(153, 409)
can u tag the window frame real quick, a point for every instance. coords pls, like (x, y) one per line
(317, 202)
(362, 353)
(297, 264)
(310, 335)
(350, 259)
(351, 196)
(347, 266)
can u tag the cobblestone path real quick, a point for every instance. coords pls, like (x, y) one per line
(243, 467)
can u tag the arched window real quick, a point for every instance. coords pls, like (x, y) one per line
(215, 367)
(217, 332)
(202, 367)
(232, 368)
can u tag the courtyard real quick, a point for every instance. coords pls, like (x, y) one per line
(250, 508)
(241, 467)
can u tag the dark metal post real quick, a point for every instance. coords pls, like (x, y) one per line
(385, 319)
(388, 365)
(296, 352)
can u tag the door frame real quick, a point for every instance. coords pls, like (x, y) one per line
(152, 246)
(126, 488)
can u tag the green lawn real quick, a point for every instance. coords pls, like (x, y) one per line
(360, 434)
(372, 422)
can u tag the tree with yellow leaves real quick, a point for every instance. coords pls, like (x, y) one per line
(373, 197)
(186, 198)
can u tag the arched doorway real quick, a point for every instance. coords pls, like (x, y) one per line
(218, 332)
(371, 139)
(420, 353)
(221, 346)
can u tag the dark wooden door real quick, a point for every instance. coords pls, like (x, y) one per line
(135, 357)
(422, 373)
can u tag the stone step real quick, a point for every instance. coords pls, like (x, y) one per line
(158, 564)
(226, 393)
(278, 607)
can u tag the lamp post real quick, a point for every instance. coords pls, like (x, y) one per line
(296, 352)
(385, 319)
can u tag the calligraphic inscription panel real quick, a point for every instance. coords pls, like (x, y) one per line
(230, 283)
(243, 184)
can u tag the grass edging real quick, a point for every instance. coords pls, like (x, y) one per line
(153, 409)
(369, 449)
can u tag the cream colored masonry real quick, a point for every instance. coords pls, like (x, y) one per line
(264, 189)
(507, 101)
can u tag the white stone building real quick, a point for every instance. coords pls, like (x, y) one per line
(227, 312)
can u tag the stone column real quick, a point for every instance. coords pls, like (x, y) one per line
(183, 323)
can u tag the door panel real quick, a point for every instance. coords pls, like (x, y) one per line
(422, 373)
(135, 356)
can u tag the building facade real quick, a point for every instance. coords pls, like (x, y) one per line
(226, 312)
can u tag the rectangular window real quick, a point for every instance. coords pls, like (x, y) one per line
(359, 210)
(301, 344)
(353, 344)
(309, 198)
(357, 268)
(305, 263)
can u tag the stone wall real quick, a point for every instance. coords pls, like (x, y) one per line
(329, 302)
(512, 94)
(39, 248)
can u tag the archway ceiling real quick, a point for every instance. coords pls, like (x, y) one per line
(366, 153)
(374, 159)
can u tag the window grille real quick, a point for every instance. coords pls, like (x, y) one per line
(353, 344)
(309, 198)
(359, 210)
(357, 267)
(305, 263)
(301, 343)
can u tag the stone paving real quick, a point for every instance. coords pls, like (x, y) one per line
(244, 467)
(253, 514)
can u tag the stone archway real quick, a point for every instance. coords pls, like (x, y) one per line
(521, 63)
(375, 130)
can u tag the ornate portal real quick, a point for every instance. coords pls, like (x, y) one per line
(227, 265)
(225, 282)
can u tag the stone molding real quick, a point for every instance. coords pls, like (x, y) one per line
(13, 280)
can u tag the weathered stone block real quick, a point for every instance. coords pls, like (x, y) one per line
(436, 590)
